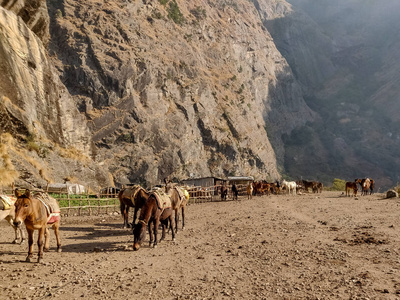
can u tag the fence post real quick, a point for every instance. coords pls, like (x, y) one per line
(88, 201)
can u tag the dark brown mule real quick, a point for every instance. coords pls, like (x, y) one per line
(131, 197)
(351, 185)
(151, 214)
(224, 192)
(37, 212)
(7, 212)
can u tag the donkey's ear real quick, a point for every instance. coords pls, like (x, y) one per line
(27, 193)
(17, 193)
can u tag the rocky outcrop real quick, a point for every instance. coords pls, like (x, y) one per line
(33, 13)
(38, 111)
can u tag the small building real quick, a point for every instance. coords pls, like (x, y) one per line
(203, 182)
(67, 188)
(240, 179)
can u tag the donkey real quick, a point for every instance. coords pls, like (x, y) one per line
(37, 211)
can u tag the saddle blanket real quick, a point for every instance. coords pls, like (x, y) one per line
(6, 202)
(51, 204)
(163, 200)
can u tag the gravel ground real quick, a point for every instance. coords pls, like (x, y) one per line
(310, 246)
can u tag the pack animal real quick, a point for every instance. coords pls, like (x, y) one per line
(365, 184)
(224, 192)
(290, 186)
(7, 212)
(351, 185)
(131, 197)
(179, 198)
(38, 212)
(249, 191)
(153, 211)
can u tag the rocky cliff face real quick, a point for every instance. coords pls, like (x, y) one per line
(47, 130)
(163, 89)
(195, 89)
(134, 91)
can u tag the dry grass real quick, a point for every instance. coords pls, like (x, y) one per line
(8, 174)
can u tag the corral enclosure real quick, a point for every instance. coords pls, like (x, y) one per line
(310, 246)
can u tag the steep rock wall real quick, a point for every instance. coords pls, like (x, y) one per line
(37, 110)
(198, 97)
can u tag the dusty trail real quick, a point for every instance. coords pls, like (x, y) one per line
(272, 247)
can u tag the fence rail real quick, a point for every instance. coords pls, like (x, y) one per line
(95, 204)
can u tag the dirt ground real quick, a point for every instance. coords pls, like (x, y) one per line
(313, 246)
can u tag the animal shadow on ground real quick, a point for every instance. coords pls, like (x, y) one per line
(95, 246)
(91, 236)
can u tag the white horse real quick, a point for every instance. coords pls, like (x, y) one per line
(7, 212)
(290, 186)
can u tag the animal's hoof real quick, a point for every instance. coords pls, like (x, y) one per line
(155, 246)
(22, 241)
(59, 250)
(28, 259)
(14, 242)
(174, 239)
(46, 249)
(40, 260)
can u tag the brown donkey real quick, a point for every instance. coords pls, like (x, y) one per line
(156, 209)
(37, 212)
(131, 197)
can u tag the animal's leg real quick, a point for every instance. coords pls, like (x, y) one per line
(124, 214)
(171, 220)
(10, 220)
(149, 227)
(126, 217)
(183, 217)
(156, 224)
(134, 216)
(40, 243)
(46, 240)
(22, 235)
(30, 245)
(176, 220)
(56, 228)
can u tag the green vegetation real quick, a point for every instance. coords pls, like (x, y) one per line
(338, 185)
(174, 13)
(31, 143)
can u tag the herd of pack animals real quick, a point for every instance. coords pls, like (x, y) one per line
(39, 211)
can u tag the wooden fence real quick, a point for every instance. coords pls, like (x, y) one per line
(95, 204)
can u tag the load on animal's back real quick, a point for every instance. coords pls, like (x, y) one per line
(131, 197)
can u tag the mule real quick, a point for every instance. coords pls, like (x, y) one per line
(37, 212)
(183, 199)
(131, 197)
(235, 192)
(7, 212)
(249, 191)
(365, 184)
(153, 211)
(224, 192)
(351, 185)
(290, 186)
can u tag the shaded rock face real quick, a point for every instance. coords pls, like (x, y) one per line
(198, 98)
(345, 56)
